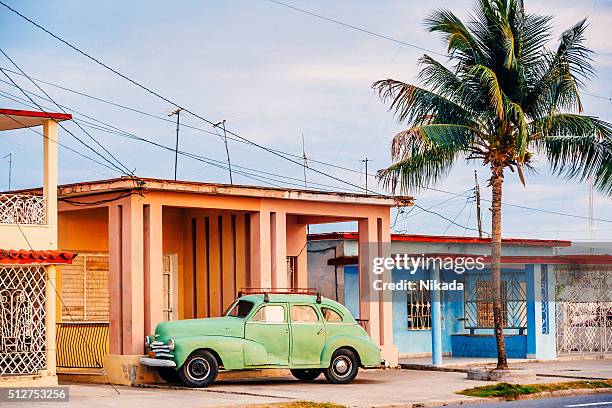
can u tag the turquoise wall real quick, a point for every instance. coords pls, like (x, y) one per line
(419, 341)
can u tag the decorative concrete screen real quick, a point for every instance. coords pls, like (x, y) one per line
(584, 309)
(22, 319)
(22, 209)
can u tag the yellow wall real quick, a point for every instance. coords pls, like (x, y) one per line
(84, 230)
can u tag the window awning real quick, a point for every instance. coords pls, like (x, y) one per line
(28, 257)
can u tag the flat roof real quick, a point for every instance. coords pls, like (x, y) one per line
(123, 184)
(11, 119)
(443, 239)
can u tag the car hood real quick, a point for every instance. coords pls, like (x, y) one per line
(216, 326)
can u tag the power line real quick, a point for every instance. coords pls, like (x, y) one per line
(332, 165)
(363, 30)
(277, 153)
(158, 95)
(117, 131)
(59, 143)
(63, 127)
(49, 97)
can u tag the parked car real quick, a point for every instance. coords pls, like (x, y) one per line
(306, 333)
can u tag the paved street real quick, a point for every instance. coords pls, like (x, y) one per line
(587, 401)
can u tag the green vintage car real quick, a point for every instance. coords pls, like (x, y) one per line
(306, 333)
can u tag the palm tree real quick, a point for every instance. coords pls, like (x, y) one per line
(502, 98)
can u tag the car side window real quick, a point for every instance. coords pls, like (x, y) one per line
(303, 314)
(331, 316)
(270, 314)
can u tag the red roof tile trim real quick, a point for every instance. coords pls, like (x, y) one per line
(442, 239)
(36, 114)
(28, 257)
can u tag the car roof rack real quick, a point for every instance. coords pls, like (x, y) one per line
(279, 291)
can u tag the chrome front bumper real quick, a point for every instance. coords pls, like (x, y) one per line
(156, 362)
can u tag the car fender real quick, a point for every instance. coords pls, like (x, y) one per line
(368, 352)
(229, 349)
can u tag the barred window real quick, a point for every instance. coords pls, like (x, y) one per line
(419, 309)
(84, 287)
(484, 298)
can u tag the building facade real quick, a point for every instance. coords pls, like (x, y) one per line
(553, 304)
(152, 250)
(28, 259)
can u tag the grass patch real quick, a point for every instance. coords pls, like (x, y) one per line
(514, 390)
(299, 404)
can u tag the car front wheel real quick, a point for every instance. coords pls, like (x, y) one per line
(307, 375)
(199, 370)
(343, 367)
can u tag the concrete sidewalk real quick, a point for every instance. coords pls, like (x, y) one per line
(372, 388)
(577, 368)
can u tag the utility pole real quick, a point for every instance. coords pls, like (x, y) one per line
(305, 159)
(229, 163)
(366, 160)
(478, 216)
(177, 112)
(10, 170)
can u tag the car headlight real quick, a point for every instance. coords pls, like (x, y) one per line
(171, 344)
(147, 341)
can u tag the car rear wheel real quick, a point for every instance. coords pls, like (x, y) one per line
(169, 375)
(307, 375)
(199, 370)
(343, 367)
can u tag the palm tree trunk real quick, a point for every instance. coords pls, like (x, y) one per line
(496, 245)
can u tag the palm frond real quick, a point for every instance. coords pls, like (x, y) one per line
(577, 147)
(424, 154)
(414, 105)
(488, 80)
(459, 40)
(417, 170)
(560, 75)
(582, 158)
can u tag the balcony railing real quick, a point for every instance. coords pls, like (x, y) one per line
(22, 209)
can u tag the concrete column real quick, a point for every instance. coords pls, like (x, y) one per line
(153, 268)
(436, 320)
(388, 349)
(132, 275)
(115, 326)
(261, 267)
(278, 238)
(368, 298)
(541, 307)
(50, 305)
(50, 178)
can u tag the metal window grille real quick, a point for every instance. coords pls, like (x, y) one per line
(85, 289)
(478, 302)
(22, 319)
(584, 309)
(419, 308)
(22, 209)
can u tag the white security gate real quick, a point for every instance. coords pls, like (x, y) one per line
(584, 309)
(22, 319)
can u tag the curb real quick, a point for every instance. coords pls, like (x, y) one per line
(479, 400)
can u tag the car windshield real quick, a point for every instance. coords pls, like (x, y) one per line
(240, 308)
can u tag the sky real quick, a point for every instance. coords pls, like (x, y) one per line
(278, 77)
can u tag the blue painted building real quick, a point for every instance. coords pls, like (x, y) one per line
(433, 323)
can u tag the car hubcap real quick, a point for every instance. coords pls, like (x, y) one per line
(198, 369)
(342, 366)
